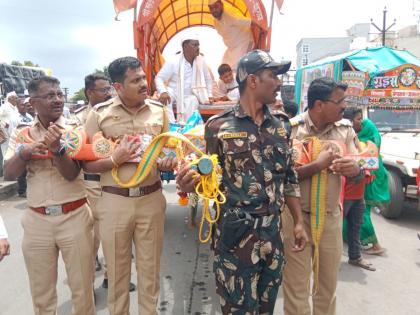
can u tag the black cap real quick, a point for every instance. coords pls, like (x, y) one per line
(256, 60)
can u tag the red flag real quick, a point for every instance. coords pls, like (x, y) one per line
(124, 5)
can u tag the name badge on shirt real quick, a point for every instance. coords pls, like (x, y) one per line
(234, 135)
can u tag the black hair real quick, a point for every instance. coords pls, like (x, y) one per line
(321, 89)
(185, 42)
(34, 84)
(223, 68)
(290, 107)
(351, 112)
(91, 79)
(119, 67)
(242, 85)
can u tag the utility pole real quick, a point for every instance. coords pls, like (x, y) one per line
(384, 29)
(66, 91)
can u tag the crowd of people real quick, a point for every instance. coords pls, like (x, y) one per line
(72, 213)
(265, 235)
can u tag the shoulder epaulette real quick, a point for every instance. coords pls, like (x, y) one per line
(80, 109)
(23, 124)
(149, 101)
(344, 122)
(220, 115)
(103, 104)
(278, 112)
(297, 120)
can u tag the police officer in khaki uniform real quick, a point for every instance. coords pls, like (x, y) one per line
(58, 219)
(326, 104)
(98, 89)
(135, 214)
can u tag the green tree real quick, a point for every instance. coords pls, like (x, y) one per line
(27, 63)
(103, 71)
(79, 95)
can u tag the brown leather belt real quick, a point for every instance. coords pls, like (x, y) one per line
(60, 209)
(133, 192)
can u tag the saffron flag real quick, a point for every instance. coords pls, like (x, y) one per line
(124, 5)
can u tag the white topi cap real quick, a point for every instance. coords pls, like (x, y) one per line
(26, 100)
(10, 94)
(26, 92)
(192, 36)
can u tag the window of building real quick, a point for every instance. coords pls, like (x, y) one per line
(305, 48)
(305, 61)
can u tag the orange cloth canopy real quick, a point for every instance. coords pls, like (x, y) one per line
(159, 20)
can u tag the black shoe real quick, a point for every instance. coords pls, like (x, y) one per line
(98, 266)
(132, 287)
(22, 195)
(105, 284)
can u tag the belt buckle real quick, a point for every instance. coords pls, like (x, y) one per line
(134, 192)
(54, 210)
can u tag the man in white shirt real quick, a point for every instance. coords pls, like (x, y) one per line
(9, 118)
(186, 81)
(4, 244)
(235, 31)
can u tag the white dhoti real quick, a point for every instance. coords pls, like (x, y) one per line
(190, 104)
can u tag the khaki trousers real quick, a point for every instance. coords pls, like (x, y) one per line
(122, 221)
(93, 194)
(44, 237)
(298, 269)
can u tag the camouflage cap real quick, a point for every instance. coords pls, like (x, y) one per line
(256, 60)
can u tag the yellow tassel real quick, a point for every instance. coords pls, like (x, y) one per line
(318, 199)
(207, 188)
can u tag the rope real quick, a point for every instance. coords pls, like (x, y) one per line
(207, 188)
(318, 198)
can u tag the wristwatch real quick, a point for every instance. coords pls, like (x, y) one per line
(60, 152)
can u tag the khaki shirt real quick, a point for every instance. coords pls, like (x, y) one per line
(115, 121)
(81, 114)
(80, 117)
(303, 127)
(46, 186)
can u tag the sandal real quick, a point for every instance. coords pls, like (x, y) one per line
(372, 251)
(362, 264)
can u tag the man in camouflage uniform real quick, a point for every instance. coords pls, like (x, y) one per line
(258, 177)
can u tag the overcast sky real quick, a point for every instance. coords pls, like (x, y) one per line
(75, 37)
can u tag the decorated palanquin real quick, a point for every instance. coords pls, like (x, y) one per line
(75, 143)
(367, 157)
(77, 147)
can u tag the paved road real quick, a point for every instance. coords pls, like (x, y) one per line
(187, 283)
